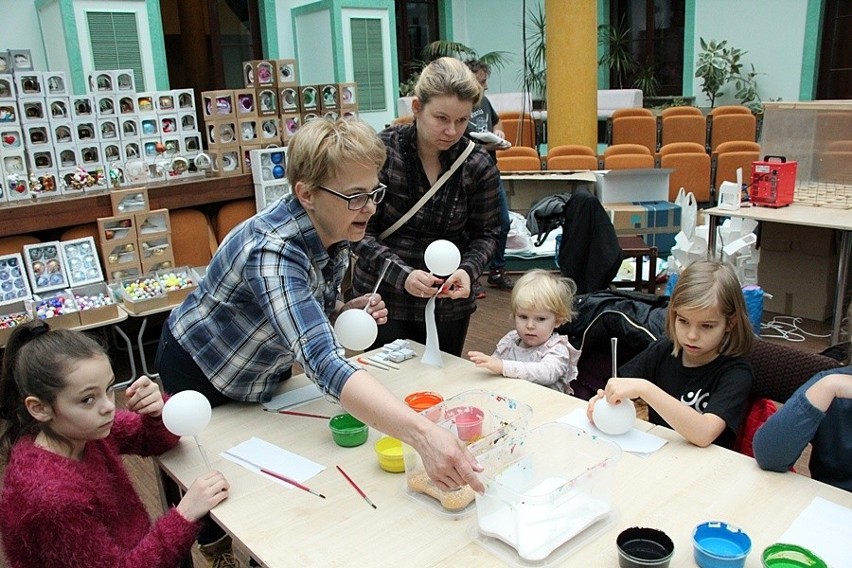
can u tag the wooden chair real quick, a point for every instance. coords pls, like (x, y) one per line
(633, 126)
(517, 151)
(691, 166)
(232, 214)
(732, 155)
(520, 131)
(15, 243)
(626, 156)
(518, 164)
(571, 157)
(682, 124)
(193, 240)
(730, 123)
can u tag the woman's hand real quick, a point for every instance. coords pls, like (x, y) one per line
(490, 362)
(448, 462)
(422, 284)
(144, 397)
(457, 286)
(208, 490)
(377, 307)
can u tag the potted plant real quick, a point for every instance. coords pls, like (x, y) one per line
(443, 48)
(717, 65)
(534, 73)
(617, 56)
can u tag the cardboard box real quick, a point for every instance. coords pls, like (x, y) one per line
(286, 72)
(798, 266)
(627, 186)
(151, 224)
(118, 229)
(68, 320)
(178, 283)
(123, 271)
(658, 222)
(128, 201)
(94, 315)
(119, 254)
(136, 305)
(12, 315)
(217, 104)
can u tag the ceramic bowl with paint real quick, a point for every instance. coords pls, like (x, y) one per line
(643, 547)
(780, 555)
(389, 454)
(467, 420)
(424, 400)
(720, 545)
(348, 431)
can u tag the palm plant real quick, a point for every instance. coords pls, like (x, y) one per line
(535, 63)
(443, 48)
(616, 40)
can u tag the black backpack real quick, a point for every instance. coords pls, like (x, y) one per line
(546, 214)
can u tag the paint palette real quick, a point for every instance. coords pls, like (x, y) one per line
(14, 285)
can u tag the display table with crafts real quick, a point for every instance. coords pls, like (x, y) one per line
(797, 214)
(674, 488)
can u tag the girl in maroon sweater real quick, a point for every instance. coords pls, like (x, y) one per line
(67, 499)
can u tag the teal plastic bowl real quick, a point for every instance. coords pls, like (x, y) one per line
(348, 431)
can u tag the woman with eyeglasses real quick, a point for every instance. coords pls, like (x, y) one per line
(464, 211)
(270, 296)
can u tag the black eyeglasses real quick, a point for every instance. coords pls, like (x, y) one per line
(359, 200)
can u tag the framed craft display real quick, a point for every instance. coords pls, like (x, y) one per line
(14, 285)
(81, 261)
(45, 267)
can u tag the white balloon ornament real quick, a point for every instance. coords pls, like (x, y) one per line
(188, 413)
(614, 419)
(356, 329)
(442, 257)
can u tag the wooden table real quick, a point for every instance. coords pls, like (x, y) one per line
(674, 489)
(809, 216)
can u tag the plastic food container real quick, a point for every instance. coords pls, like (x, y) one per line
(389, 454)
(348, 431)
(425, 400)
(643, 547)
(781, 555)
(544, 488)
(481, 418)
(720, 545)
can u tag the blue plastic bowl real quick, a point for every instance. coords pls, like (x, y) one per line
(720, 545)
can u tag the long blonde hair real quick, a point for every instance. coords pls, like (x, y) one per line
(710, 284)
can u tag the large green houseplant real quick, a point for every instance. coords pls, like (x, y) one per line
(720, 64)
(442, 48)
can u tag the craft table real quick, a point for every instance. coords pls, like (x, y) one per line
(806, 215)
(673, 489)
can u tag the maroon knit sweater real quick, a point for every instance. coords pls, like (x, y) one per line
(56, 511)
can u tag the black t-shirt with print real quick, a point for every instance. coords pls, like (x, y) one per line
(720, 387)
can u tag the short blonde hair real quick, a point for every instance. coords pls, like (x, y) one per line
(448, 76)
(322, 147)
(541, 290)
(710, 284)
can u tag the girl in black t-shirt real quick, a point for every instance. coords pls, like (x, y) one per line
(697, 380)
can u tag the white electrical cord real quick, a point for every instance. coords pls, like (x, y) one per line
(787, 328)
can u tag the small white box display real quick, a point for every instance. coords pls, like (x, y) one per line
(14, 285)
(45, 267)
(81, 260)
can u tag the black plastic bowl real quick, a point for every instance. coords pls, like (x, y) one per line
(642, 547)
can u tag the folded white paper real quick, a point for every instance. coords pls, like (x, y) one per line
(255, 454)
(293, 397)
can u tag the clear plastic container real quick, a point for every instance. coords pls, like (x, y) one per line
(482, 419)
(544, 488)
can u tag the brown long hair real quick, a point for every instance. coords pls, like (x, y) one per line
(35, 363)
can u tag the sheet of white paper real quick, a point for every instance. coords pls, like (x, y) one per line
(293, 397)
(635, 441)
(254, 454)
(824, 528)
(432, 354)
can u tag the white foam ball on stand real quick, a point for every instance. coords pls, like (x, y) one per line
(614, 419)
(187, 413)
(356, 329)
(442, 257)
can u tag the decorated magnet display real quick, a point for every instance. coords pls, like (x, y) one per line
(14, 285)
(81, 260)
(45, 267)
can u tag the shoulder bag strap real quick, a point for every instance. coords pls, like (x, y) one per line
(428, 195)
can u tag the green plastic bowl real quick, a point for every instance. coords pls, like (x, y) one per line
(348, 431)
(781, 555)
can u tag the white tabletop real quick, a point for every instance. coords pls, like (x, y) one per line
(793, 214)
(674, 489)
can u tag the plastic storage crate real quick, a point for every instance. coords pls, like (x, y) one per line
(481, 418)
(544, 488)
